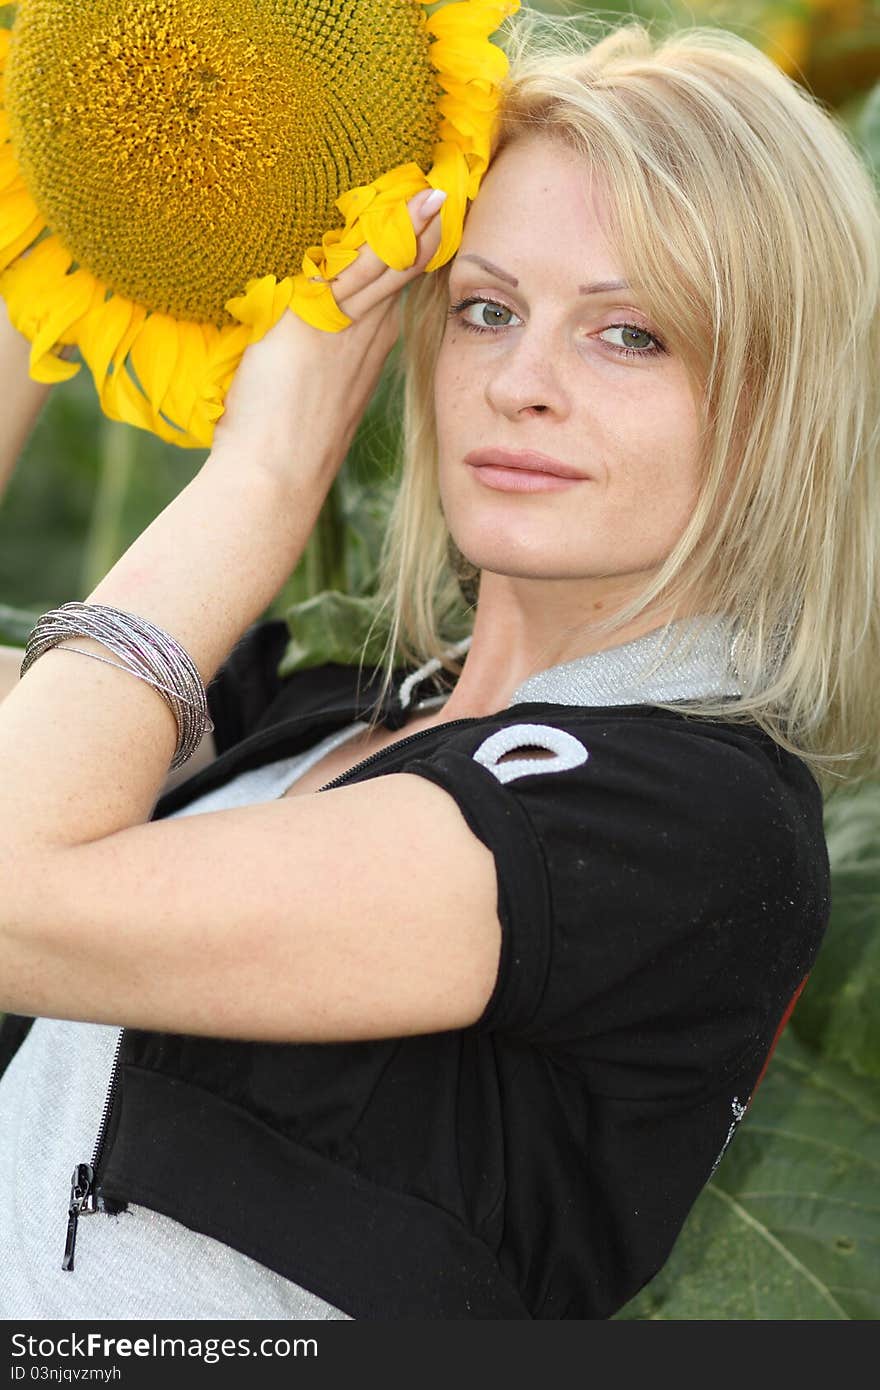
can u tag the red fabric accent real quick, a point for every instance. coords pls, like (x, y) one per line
(779, 1031)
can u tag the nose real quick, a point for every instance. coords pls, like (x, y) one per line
(525, 379)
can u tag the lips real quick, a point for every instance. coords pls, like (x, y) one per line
(523, 459)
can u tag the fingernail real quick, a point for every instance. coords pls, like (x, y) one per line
(433, 203)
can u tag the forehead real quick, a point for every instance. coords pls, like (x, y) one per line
(542, 201)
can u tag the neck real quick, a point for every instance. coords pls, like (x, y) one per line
(515, 638)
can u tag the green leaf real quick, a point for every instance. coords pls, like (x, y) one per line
(331, 626)
(837, 1013)
(789, 1228)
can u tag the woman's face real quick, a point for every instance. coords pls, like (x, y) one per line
(547, 353)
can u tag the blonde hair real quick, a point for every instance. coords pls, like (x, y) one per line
(752, 229)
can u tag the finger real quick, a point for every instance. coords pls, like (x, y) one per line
(369, 280)
(423, 209)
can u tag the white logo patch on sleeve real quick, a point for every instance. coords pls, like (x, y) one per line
(569, 751)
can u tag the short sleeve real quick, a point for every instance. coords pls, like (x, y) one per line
(661, 894)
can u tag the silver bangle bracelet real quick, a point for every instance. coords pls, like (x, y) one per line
(147, 652)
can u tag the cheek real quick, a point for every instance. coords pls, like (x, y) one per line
(689, 455)
(449, 393)
(441, 387)
(652, 455)
(667, 440)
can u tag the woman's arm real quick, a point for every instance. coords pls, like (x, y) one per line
(23, 398)
(365, 911)
(10, 665)
(204, 570)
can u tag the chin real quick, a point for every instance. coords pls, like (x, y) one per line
(519, 558)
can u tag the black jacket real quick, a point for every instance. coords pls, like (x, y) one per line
(662, 898)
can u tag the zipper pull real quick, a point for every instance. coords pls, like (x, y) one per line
(82, 1201)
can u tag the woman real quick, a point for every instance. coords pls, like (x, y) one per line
(465, 1034)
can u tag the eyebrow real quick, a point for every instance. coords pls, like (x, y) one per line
(595, 287)
(604, 286)
(490, 268)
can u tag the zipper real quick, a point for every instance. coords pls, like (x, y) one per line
(410, 738)
(84, 1196)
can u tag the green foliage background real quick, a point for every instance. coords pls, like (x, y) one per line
(789, 1228)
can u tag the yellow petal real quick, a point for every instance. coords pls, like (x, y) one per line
(153, 356)
(48, 306)
(475, 126)
(315, 303)
(254, 307)
(13, 249)
(18, 212)
(189, 377)
(30, 285)
(471, 19)
(73, 299)
(100, 334)
(355, 202)
(212, 357)
(386, 223)
(337, 257)
(451, 173)
(224, 348)
(481, 97)
(51, 370)
(9, 170)
(262, 304)
(127, 402)
(470, 64)
(391, 235)
(121, 399)
(404, 181)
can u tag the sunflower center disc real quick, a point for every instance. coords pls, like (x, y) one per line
(181, 147)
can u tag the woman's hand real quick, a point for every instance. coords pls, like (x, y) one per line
(299, 394)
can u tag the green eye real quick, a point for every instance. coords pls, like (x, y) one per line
(631, 341)
(636, 338)
(483, 315)
(495, 315)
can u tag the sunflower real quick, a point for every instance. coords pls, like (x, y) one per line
(175, 174)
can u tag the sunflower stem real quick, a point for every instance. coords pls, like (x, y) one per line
(104, 539)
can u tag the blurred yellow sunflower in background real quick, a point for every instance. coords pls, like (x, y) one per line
(175, 174)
